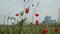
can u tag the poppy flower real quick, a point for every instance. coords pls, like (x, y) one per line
(27, 10)
(56, 30)
(37, 22)
(17, 14)
(45, 31)
(36, 15)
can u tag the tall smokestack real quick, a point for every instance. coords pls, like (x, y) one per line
(58, 21)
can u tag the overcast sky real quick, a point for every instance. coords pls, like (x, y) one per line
(45, 7)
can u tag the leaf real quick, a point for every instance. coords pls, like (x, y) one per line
(21, 13)
(11, 18)
(14, 18)
(20, 23)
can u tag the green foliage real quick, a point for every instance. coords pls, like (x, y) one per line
(27, 30)
(12, 18)
(20, 23)
(22, 13)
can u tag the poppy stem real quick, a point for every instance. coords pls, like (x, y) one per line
(47, 24)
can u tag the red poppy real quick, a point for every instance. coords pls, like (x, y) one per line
(56, 30)
(45, 31)
(27, 10)
(36, 15)
(17, 14)
(37, 22)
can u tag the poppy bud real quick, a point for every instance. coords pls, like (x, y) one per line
(26, 10)
(37, 22)
(56, 30)
(24, 0)
(32, 4)
(17, 14)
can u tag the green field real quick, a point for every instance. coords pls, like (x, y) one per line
(26, 30)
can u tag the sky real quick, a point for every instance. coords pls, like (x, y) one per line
(45, 7)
